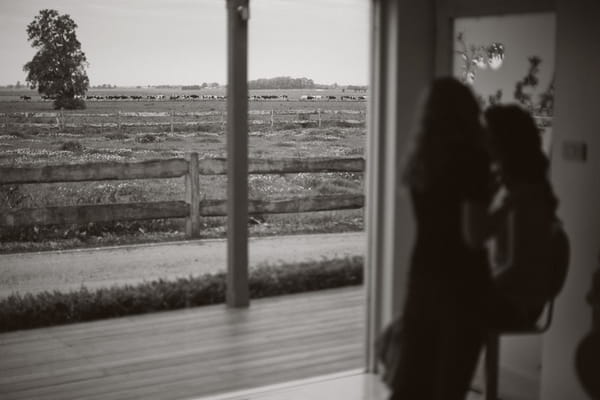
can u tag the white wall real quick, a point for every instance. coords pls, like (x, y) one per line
(577, 118)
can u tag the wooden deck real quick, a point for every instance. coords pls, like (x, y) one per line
(188, 353)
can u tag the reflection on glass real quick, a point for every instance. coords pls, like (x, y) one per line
(509, 59)
(477, 57)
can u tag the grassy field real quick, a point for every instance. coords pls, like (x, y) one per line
(34, 145)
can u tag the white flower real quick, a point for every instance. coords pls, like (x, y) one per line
(495, 61)
(480, 62)
(471, 77)
(495, 55)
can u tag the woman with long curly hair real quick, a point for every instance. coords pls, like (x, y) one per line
(448, 176)
(525, 277)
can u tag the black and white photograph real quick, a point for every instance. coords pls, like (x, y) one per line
(300, 199)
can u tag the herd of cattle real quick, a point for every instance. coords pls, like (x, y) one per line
(192, 97)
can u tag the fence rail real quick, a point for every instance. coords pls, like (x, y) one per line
(192, 208)
(172, 119)
(171, 168)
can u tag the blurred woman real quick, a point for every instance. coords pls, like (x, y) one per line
(529, 259)
(447, 174)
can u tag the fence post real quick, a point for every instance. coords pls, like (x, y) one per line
(6, 122)
(192, 196)
(119, 120)
(272, 121)
(172, 113)
(319, 114)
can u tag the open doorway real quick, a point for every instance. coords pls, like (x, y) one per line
(510, 59)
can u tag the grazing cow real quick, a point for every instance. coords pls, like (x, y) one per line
(26, 98)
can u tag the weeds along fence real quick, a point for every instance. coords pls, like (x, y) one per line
(173, 119)
(192, 208)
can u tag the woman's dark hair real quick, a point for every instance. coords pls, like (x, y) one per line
(515, 142)
(447, 136)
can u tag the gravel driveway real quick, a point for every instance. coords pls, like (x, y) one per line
(66, 270)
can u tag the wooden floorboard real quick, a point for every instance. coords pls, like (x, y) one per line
(188, 353)
(190, 339)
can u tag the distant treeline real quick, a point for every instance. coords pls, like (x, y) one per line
(282, 82)
(356, 88)
(198, 87)
(286, 82)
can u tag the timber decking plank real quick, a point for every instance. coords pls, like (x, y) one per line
(192, 387)
(149, 357)
(156, 356)
(255, 321)
(136, 382)
(81, 388)
(201, 364)
(189, 388)
(190, 336)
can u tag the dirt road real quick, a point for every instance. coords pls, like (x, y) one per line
(65, 270)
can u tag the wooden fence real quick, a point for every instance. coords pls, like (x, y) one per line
(173, 119)
(192, 208)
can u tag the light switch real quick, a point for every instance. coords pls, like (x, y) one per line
(573, 150)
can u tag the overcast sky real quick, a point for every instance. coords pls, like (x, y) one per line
(150, 42)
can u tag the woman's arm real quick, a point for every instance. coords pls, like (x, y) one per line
(510, 241)
(475, 224)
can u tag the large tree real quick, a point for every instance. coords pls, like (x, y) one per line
(57, 69)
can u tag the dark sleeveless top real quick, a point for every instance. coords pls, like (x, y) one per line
(443, 267)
